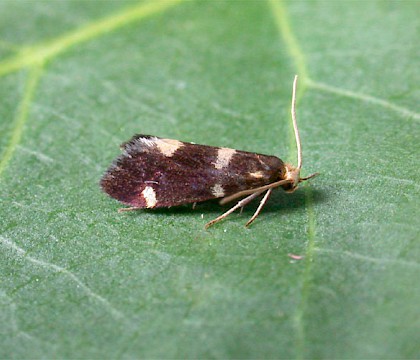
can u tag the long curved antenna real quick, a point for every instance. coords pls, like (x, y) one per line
(295, 127)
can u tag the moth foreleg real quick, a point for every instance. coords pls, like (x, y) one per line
(262, 203)
(240, 204)
(239, 194)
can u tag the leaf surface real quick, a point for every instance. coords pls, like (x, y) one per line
(79, 280)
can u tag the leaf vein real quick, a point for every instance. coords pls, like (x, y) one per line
(380, 261)
(22, 115)
(296, 54)
(48, 50)
(366, 98)
(281, 18)
(56, 268)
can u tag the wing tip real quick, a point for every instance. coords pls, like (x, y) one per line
(135, 141)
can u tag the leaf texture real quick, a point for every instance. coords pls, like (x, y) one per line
(330, 271)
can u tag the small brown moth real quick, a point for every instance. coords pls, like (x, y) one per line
(155, 172)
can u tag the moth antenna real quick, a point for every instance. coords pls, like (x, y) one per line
(295, 127)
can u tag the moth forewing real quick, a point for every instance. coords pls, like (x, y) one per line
(155, 172)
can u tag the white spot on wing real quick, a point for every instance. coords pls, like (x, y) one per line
(218, 191)
(150, 196)
(257, 174)
(224, 155)
(168, 146)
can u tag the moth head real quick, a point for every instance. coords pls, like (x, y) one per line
(293, 176)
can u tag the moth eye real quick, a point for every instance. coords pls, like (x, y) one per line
(289, 187)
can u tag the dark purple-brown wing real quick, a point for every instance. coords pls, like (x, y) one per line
(156, 172)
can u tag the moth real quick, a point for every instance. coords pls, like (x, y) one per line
(154, 172)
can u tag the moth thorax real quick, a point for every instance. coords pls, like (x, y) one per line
(293, 175)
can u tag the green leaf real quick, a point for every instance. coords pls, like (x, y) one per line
(79, 280)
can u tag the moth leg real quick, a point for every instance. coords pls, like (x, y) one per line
(120, 210)
(262, 203)
(239, 194)
(240, 204)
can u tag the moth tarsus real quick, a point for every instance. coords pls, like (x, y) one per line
(155, 172)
